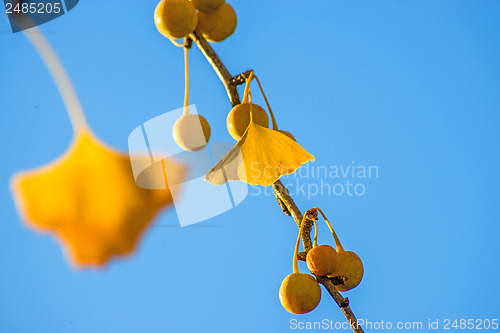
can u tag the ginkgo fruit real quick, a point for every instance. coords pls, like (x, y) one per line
(218, 24)
(175, 18)
(238, 119)
(349, 267)
(299, 293)
(322, 260)
(207, 5)
(191, 132)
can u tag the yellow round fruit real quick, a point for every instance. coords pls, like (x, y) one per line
(238, 119)
(191, 132)
(288, 134)
(207, 5)
(300, 293)
(351, 267)
(175, 18)
(322, 260)
(219, 24)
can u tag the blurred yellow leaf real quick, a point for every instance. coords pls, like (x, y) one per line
(90, 200)
(261, 157)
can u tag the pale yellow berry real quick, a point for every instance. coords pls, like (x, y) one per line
(175, 18)
(350, 267)
(322, 260)
(219, 24)
(191, 132)
(299, 293)
(238, 119)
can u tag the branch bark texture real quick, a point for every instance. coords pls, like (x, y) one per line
(284, 199)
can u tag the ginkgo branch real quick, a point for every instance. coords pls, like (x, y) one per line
(285, 200)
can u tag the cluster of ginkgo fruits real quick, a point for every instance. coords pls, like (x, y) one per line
(299, 292)
(271, 152)
(215, 19)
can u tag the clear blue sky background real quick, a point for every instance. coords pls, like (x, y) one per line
(411, 87)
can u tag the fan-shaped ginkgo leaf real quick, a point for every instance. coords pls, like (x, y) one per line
(260, 157)
(89, 199)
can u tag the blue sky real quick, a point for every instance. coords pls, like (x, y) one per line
(410, 87)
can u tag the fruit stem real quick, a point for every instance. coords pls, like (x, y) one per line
(337, 240)
(247, 87)
(61, 78)
(315, 241)
(275, 125)
(186, 88)
(176, 43)
(296, 252)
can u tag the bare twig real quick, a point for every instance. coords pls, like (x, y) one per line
(286, 202)
(342, 302)
(241, 78)
(218, 66)
(282, 193)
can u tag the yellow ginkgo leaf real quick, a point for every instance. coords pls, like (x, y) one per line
(90, 200)
(260, 157)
